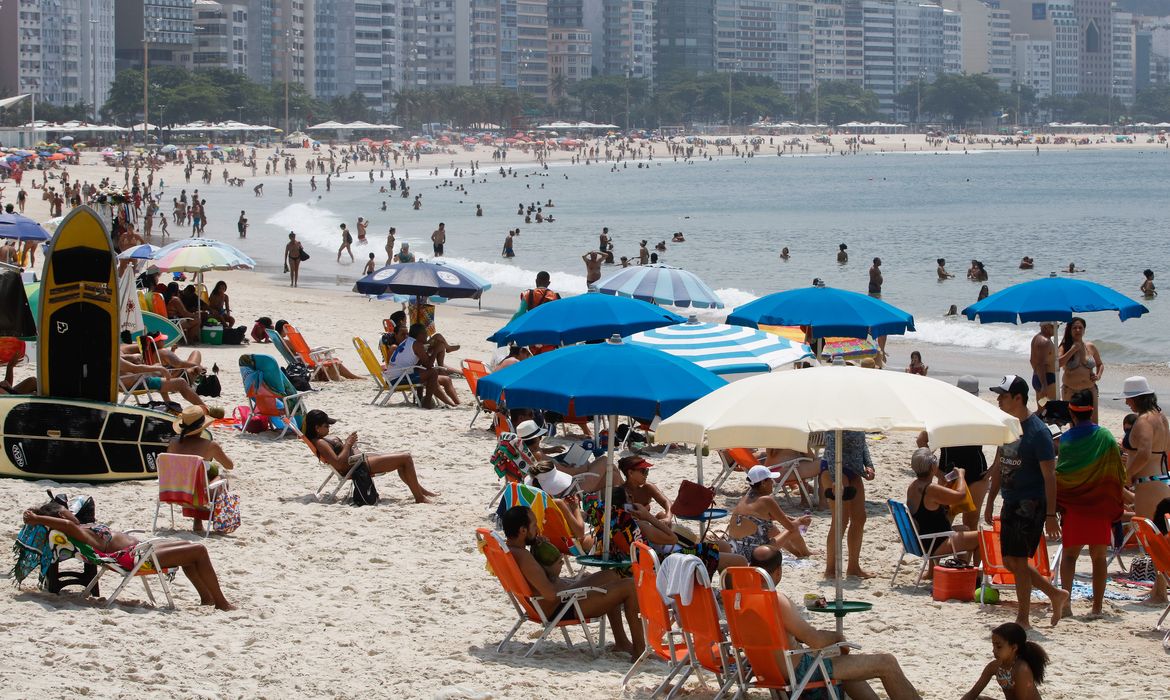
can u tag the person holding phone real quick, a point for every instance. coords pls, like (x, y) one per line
(927, 499)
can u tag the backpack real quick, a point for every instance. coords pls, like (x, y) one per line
(209, 386)
(298, 375)
(364, 491)
(233, 336)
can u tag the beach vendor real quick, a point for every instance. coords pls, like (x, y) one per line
(1089, 479)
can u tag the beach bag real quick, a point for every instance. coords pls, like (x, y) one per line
(364, 491)
(967, 505)
(209, 386)
(251, 422)
(692, 499)
(1142, 569)
(303, 256)
(225, 512)
(298, 375)
(234, 336)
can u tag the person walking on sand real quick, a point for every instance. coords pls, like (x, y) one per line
(438, 238)
(346, 242)
(1024, 471)
(593, 260)
(875, 278)
(292, 258)
(1043, 363)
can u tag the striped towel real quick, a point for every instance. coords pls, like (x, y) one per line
(182, 480)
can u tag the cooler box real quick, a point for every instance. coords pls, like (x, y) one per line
(211, 335)
(954, 584)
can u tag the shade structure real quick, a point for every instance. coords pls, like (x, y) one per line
(829, 311)
(611, 378)
(833, 347)
(780, 410)
(583, 318)
(145, 251)
(423, 279)
(201, 255)
(1052, 299)
(21, 228)
(660, 284)
(732, 352)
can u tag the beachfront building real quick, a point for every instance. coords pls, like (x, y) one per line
(166, 27)
(769, 38)
(837, 47)
(684, 37)
(1096, 45)
(570, 58)
(532, 47)
(221, 36)
(1032, 64)
(627, 38)
(986, 39)
(354, 48)
(1056, 23)
(1123, 55)
(61, 53)
(1152, 52)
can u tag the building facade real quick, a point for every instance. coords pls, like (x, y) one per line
(221, 36)
(684, 37)
(166, 27)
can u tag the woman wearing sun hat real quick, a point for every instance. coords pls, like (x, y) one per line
(1146, 466)
(190, 427)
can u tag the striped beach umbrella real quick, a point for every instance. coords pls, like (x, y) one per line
(201, 255)
(660, 284)
(733, 352)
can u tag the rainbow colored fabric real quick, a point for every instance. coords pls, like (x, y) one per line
(1089, 472)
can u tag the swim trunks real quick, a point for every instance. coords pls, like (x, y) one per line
(438, 248)
(1050, 377)
(1021, 526)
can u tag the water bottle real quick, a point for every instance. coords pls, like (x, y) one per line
(804, 528)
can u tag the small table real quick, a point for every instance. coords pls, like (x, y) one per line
(596, 561)
(843, 608)
(704, 519)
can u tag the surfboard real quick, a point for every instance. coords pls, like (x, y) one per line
(70, 440)
(160, 324)
(77, 348)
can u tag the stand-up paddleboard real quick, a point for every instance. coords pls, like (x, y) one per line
(161, 324)
(67, 440)
(77, 348)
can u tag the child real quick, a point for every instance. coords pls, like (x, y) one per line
(916, 366)
(1018, 666)
(370, 266)
(162, 222)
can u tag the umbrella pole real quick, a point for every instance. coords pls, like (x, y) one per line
(699, 462)
(1055, 360)
(838, 516)
(608, 486)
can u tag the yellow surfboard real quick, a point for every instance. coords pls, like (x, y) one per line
(77, 329)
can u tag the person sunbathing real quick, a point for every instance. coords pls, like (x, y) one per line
(220, 305)
(555, 477)
(138, 351)
(323, 371)
(636, 471)
(183, 317)
(754, 518)
(851, 669)
(28, 385)
(190, 441)
(342, 455)
(618, 594)
(192, 557)
(158, 378)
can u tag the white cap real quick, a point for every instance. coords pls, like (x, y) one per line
(758, 474)
(1134, 387)
(554, 482)
(529, 429)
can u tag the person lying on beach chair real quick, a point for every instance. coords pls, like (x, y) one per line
(192, 557)
(554, 476)
(149, 350)
(28, 385)
(158, 378)
(617, 594)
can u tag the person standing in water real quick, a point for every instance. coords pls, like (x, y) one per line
(390, 245)
(1148, 290)
(346, 242)
(842, 255)
(875, 278)
(292, 258)
(942, 270)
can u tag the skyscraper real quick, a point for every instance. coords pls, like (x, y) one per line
(165, 27)
(684, 37)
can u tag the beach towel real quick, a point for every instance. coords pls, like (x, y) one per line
(32, 551)
(508, 459)
(676, 576)
(184, 481)
(1089, 472)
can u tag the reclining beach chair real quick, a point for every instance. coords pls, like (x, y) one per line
(317, 359)
(914, 544)
(405, 380)
(271, 395)
(663, 639)
(374, 368)
(527, 603)
(342, 479)
(708, 648)
(277, 341)
(145, 565)
(473, 371)
(758, 634)
(1157, 546)
(995, 574)
(182, 481)
(741, 459)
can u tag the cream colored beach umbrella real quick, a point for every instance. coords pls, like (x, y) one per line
(780, 410)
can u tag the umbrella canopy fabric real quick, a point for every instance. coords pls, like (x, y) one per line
(830, 312)
(844, 347)
(583, 318)
(201, 255)
(145, 251)
(732, 352)
(611, 378)
(21, 228)
(1052, 299)
(780, 410)
(423, 279)
(660, 284)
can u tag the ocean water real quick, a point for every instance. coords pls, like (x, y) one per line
(1103, 210)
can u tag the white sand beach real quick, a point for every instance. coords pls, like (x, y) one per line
(394, 600)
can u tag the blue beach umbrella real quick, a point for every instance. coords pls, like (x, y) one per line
(611, 378)
(660, 284)
(423, 279)
(583, 318)
(21, 228)
(732, 352)
(830, 312)
(1052, 299)
(144, 251)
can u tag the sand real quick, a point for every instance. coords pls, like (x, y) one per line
(393, 600)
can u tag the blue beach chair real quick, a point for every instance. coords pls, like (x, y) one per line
(913, 544)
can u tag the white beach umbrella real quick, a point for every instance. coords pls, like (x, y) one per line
(780, 410)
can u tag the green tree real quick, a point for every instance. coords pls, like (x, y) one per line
(1151, 104)
(962, 97)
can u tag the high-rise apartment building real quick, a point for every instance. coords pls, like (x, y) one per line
(684, 42)
(221, 35)
(1032, 64)
(1054, 21)
(60, 52)
(986, 39)
(165, 27)
(627, 38)
(1123, 55)
(1096, 45)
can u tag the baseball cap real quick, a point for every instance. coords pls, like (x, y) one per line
(759, 474)
(1011, 384)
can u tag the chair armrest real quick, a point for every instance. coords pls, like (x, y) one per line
(826, 652)
(571, 593)
(936, 535)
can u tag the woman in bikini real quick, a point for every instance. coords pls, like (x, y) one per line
(342, 455)
(1080, 361)
(1146, 462)
(190, 556)
(754, 519)
(856, 469)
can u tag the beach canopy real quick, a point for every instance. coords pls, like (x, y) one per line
(732, 352)
(423, 279)
(583, 318)
(829, 311)
(660, 284)
(144, 251)
(1052, 299)
(21, 228)
(201, 255)
(780, 410)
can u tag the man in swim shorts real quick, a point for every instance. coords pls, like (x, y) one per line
(1044, 363)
